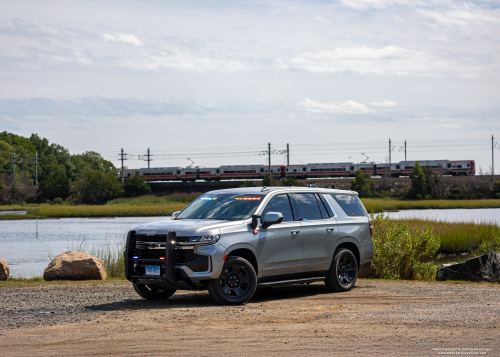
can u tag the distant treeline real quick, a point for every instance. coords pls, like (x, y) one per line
(78, 178)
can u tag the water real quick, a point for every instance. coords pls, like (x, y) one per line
(484, 215)
(22, 213)
(28, 255)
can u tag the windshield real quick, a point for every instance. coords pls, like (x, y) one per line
(222, 206)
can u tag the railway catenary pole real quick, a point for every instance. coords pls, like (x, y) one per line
(390, 163)
(492, 160)
(405, 150)
(122, 158)
(287, 154)
(269, 154)
(149, 157)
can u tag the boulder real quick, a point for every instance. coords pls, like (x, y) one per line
(4, 270)
(75, 266)
(483, 268)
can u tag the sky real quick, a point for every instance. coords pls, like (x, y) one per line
(213, 82)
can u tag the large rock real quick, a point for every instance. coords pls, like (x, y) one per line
(75, 266)
(4, 270)
(483, 268)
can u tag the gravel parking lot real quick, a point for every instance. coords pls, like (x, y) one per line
(375, 318)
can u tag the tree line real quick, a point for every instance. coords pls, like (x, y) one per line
(85, 178)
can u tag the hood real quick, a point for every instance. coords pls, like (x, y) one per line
(186, 227)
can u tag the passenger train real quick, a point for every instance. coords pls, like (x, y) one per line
(341, 169)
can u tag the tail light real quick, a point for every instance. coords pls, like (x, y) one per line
(371, 228)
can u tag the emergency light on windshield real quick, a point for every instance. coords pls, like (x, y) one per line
(247, 198)
(209, 198)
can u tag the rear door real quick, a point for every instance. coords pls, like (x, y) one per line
(319, 231)
(280, 245)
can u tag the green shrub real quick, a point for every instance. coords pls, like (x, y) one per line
(290, 181)
(57, 201)
(401, 252)
(492, 244)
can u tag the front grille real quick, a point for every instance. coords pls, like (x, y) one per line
(151, 250)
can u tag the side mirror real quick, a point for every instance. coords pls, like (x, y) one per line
(271, 218)
(175, 214)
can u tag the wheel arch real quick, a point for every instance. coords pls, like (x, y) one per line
(245, 253)
(352, 246)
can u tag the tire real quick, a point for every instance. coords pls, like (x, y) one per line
(153, 292)
(236, 283)
(343, 271)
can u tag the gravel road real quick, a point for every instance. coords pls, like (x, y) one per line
(375, 318)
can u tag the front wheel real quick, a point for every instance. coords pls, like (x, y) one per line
(236, 283)
(343, 272)
(153, 292)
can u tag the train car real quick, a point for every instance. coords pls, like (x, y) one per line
(340, 169)
(365, 168)
(128, 173)
(383, 169)
(437, 166)
(241, 171)
(462, 167)
(296, 171)
(161, 173)
(276, 171)
(209, 173)
(189, 174)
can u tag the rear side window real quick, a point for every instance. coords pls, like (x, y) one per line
(351, 205)
(308, 206)
(280, 204)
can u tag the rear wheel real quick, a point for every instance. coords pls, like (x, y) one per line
(236, 283)
(343, 272)
(153, 292)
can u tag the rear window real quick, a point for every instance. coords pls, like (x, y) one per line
(351, 205)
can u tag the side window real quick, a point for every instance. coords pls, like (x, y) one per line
(322, 209)
(281, 204)
(322, 201)
(308, 206)
(351, 205)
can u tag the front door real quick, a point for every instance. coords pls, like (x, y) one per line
(280, 245)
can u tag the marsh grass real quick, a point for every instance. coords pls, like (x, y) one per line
(155, 200)
(458, 237)
(380, 205)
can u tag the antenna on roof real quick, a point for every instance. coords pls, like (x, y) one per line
(264, 189)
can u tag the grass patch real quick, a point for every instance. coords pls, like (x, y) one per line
(88, 211)
(380, 205)
(151, 200)
(19, 217)
(458, 237)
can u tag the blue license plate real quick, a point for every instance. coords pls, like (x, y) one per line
(152, 270)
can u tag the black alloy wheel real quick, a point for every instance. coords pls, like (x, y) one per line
(236, 283)
(153, 292)
(343, 271)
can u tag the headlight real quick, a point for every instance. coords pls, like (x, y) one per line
(214, 238)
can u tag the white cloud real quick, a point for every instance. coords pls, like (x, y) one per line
(123, 37)
(383, 104)
(461, 14)
(447, 126)
(349, 106)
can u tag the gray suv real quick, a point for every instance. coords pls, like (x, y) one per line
(233, 241)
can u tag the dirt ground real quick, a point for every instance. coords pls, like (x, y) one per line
(375, 318)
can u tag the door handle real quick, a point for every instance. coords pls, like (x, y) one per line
(330, 229)
(295, 231)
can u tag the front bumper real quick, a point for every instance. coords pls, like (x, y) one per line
(181, 266)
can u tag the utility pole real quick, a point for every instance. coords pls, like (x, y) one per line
(123, 157)
(405, 150)
(269, 152)
(492, 160)
(287, 154)
(149, 157)
(390, 163)
(14, 169)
